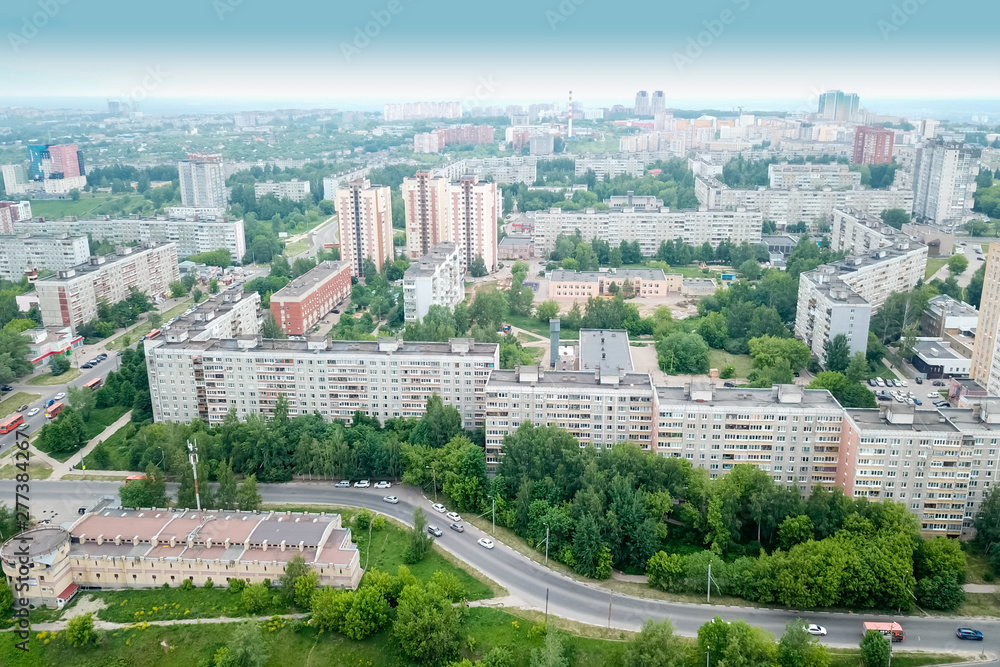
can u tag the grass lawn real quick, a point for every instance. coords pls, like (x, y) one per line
(297, 247)
(102, 418)
(741, 362)
(116, 447)
(606, 146)
(13, 401)
(143, 328)
(533, 325)
(159, 604)
(54, 209)
(882, 371)
(977, 565)
(47, 379)
(35, 471)
(934, 265)
(288, 643)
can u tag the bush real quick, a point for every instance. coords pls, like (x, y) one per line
(988, 577)
(80, 630)
(255, 598)
(665, 571)
(209, 584)
(236, 585)
(378, 523)
(727, 372)
(363, 519)
(942, 591)
(187, 585)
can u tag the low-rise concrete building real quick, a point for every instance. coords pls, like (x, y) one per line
(565, 284)
(294, 189)
(150, 547)
(935, 359)
(516, 247)
(946, 315)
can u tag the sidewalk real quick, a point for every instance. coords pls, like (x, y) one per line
(61, 469)
(59, 626)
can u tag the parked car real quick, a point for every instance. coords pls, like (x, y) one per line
(434, 530)
(816, 630)
(918, 401)
(102, 356)
(901, 383)
(337, 311)
(871, 382)
(362, 484)
(883, 397)
(880, 382)
(458, 528)
(6, 387)
(33, 411)
(485, 542)
(981, 258)
(942, 404)
(934, 394)
(729, 383)
(938, 383)
(392, 500)
(343, 484)
(87, 365)
(453, 516)
(918, 380)
(383, 485)
(439, 508)
(23, 408)
(60, 396)
(969, 633)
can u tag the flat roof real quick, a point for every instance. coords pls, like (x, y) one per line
(932, 349)
(516, 241)
(322, 345)
(39, 236)
(429, 263)
(109, 260)
(210, 310)
(564, 378)
(607, 349)
(562, 275)
(310, 279)
(744, 397)
(923, 420)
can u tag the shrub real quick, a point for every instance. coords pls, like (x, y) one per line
(537, 630)
(727, 372)
(209, 583)
(255, 598)
(665, 570)
(378, 523)
(80, 630)
(364, 519)
(236, 585)
(187, 585)
(988, 577)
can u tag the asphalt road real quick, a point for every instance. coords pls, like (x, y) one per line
(528, 581)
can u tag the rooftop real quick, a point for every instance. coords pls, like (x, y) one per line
(322, 345)
(747, 398)
(432, 261)
(949, 306)
(874, 419)
(516, 241)
(310, 279)
(562, 275)
(98, 263)
(216, 306)
(935, 349)
(605, 349)
(531, 375)
(33, 236)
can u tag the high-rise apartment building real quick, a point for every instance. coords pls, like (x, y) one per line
(364, 215)
(860, 234)
(26, 252)
(421, 110)
(986, 350)
(306, 300)
(202, 182)
(944, 180)
(15, 179)
(388, 378)
(658, 103)
(642, 106)
(70, 297)
(838, 176)
(65, 161)
(13, 212)
(191, 236)
(464, 213)
(838, 105)
(231, 313)
(873, 145)
(436, 279)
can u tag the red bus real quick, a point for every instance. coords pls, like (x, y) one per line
(132, 478)
(153, 334)
(94, 384)
(10, 423)
(53, 410)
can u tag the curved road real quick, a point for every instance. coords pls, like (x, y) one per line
(527, 581)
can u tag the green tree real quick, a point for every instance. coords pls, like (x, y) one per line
(213, 286)
(59, 365)
(939, 555)
(369, 613)
(837, 353)
(329, 608)
(225, 498)
(197, 295)
(439, 424)
(987, 521)
(270, 328)
(942, 591)
(656, 646)
(974, 291)
(797, 648)
(795, 530)
(665, 571)
(248, 498)
(74, 194)
(857, 370)
(546, 311)
(682, 353)
(750, 269)
(769, 351)
(305, 588)
(477, 268)
(895, 217)
(177, 289)
(6, 597)
(294, 569)
(80, 631)
(427, 627)
(587, 545)
(255, 598)
(420, 542)
(246, 648)
(713, 329)
(875, 649)
(551, 654)
(957, 264)
(82, 400)
(848, 394)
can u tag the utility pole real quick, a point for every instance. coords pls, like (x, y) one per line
(709, 583)
(495, 532)
(193, 458)
(546, 545)
(610, 600)
(708, 654)
(546, 607)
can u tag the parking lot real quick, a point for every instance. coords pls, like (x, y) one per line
(925, 394)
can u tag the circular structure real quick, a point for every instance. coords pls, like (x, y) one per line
(44, 541)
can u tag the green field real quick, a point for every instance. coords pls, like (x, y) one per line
(291, 643)
(741, 362)
(934, 265)
(297, 247)
(101, 418)
(533, 325)
(55, 209)
(47, 379)
(12, 402)
(117, 451)
(143, 328)
(35, 471)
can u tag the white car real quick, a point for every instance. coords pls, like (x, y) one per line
(343, 484)
(486, 542)
(383, 485)
(363, 484)
(816, 630)
(880, 382)
(392, 500)
(59, 396)
(439, 508)
(32, 412)
(901, 383)
(934, 394)
(454, 516)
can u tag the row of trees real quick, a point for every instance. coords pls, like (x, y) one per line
(111, 317)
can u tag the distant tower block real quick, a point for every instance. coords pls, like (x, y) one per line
(569, 133)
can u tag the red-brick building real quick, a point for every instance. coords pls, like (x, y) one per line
(873, 145)
(306, 300)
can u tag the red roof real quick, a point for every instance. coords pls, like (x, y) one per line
(69, 592)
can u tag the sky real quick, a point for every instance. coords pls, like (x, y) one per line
(723, 53)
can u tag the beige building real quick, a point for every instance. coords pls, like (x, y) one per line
(584, 284)
(837, 176)
(386, 378)
(70, 297)
(294, 189)
(986, 352)
(364, 214)
(858, 233)
(150, 547)
(436, 279)
(228, 314)
(22, 253)
(944, 180)
(791, 433)
(464, 213)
